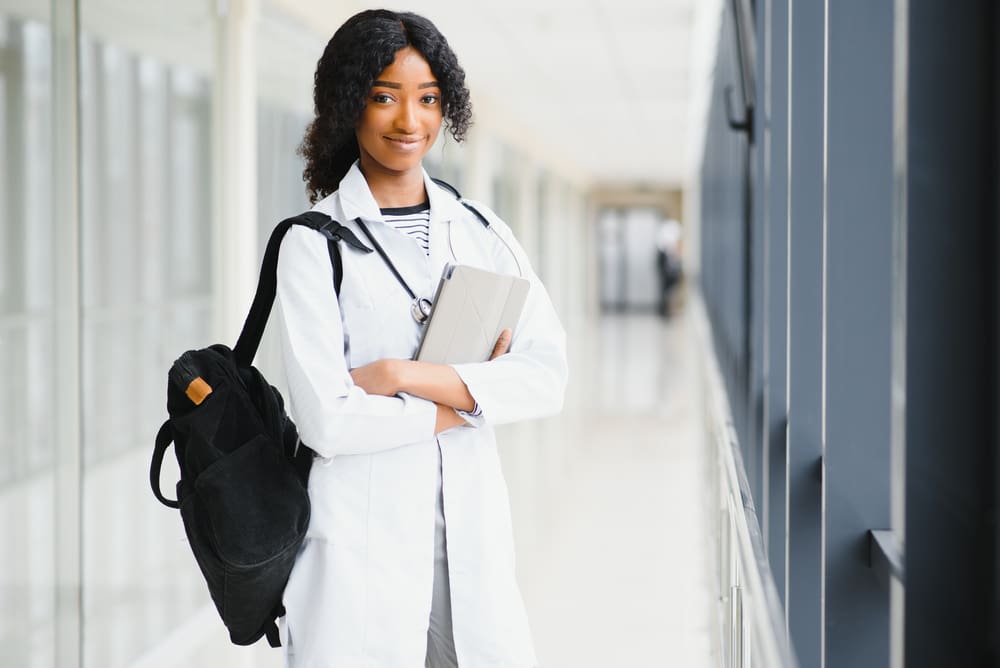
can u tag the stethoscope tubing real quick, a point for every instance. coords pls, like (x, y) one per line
(385, 258)
(421, 307)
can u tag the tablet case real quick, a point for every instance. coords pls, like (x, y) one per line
(472, 306)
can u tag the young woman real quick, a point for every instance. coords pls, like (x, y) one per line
(409, 558)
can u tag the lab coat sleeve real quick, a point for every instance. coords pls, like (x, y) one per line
(333, 415)
(530, 380)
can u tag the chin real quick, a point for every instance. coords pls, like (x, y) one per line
(392, 162)
(401, 166)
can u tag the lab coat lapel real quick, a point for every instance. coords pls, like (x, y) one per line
(356, 198)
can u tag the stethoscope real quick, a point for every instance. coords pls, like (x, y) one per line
(421, 307)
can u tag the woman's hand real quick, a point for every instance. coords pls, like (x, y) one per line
(380, 377)
(502, 345)
(446, 415)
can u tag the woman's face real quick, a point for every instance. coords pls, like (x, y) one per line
(402, 116)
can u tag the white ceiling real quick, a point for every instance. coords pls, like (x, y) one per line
(603, 85)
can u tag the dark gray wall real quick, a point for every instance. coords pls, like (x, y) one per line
(802, 272)
(755, 225)
(996, 347)
(858, 327)
(951, 445)
(803, 574)
(774, 195)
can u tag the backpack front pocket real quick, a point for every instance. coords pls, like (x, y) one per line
(255, 503)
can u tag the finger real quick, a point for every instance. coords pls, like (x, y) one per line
(502, 345)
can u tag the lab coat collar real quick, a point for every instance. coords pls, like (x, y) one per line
(357, 201)
(444, 205)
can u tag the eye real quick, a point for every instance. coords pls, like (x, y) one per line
(430, 99)
(381, 98)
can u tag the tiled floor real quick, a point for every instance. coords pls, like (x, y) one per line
(613, 528)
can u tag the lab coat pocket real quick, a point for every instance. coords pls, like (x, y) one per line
(363, 314)
(338, 491)
(366, 283)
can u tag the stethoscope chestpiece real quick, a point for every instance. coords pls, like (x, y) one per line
(421, 309)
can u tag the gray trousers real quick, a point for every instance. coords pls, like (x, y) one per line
(440, 641)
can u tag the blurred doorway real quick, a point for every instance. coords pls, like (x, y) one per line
(627, 243)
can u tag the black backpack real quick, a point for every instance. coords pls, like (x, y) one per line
(243, 473)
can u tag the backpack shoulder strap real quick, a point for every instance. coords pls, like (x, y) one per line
(454, 191)
(267, 285)
(334, 233)
(164, 438)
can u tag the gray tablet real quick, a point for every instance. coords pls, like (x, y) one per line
(472, 306)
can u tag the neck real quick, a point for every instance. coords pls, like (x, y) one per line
(395, 189)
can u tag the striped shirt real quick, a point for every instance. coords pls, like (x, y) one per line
(414, 221)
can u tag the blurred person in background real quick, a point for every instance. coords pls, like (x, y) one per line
(409, 558)
(668, 261)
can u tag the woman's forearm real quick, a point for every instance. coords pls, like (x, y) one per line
(439, 383)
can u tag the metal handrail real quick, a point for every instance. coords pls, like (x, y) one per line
(755, 630)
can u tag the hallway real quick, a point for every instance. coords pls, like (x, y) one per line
(758, 480)
(615, 561)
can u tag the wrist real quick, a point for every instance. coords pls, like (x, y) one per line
(447, 419)
(399, 372)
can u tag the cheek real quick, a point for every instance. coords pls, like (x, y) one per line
(435, 124)
(369, 123)
(368, 130)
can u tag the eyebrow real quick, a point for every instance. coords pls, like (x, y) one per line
(392, 84)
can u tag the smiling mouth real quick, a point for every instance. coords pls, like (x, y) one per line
(405, 141)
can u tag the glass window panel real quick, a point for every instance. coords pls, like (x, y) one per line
(13, 400)
(281, 190)
(146, 95)
(26, 339)
(151, 222)
(189, 239)
(6, 148)
(37, 167)
(37, 442)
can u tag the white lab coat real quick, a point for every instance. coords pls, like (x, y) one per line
(360, 592)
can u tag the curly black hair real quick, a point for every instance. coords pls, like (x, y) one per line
(360, 49)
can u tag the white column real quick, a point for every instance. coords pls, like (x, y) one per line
(236, 250)
(527, 221)
(557, 243)
(578, 274)
(66, 398)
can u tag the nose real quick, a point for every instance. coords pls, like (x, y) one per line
(406, 117)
